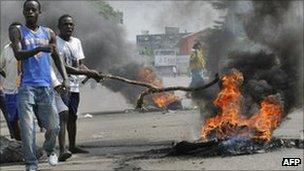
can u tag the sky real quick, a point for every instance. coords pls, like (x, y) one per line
(191, 16)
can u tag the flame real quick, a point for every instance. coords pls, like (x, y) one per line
(160, 100)
(230, 121)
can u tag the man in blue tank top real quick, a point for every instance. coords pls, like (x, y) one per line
(34, 46)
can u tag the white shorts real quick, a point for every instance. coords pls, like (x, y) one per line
(60, 104)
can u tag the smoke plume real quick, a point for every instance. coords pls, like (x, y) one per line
(265, 42)
(103, 41)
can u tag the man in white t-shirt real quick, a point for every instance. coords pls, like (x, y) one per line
(70, 49)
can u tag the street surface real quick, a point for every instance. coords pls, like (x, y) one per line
(122, 140)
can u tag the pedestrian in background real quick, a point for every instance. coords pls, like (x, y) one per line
(197, 66)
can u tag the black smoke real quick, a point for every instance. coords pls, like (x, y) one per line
(130, 71)
(103, 41)
(264, 40)
(279, 26)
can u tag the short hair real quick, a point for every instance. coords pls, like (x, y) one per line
(196, 45)
(62, 17)
(32, 0)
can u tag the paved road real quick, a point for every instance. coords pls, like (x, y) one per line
(114, 140)
(94, 100)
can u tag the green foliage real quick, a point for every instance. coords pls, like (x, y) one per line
(220, 5)
(107, 11)
(146, 51)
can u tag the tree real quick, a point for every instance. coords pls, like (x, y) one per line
(107, 11)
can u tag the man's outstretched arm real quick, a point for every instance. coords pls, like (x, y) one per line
(15, 38)
(81, 71)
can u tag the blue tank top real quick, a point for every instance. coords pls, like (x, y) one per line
(35, 71)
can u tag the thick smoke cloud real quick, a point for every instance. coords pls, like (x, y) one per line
(266, 44)
(279, 26)
(103, 41)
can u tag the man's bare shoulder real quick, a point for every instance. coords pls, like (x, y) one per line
(14, 32)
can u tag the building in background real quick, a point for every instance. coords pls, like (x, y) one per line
(168, 50)
(185, 46)
(165, 60)
(186, 43)
(148, 43)
(161, 49)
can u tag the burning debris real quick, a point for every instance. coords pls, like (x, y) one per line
(253, 100)
(149, 79)
(161, 97)
(160, 100)
(232, 122)
(160, 90)
(231, 132)
(158, 96)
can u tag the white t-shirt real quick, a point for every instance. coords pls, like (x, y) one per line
(10, 65)
(72, 53)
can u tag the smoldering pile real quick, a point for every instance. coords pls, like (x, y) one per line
(222, 148)
(129, 71)
(233, 146)
(11, 151)
(143, 74)
(263, 77)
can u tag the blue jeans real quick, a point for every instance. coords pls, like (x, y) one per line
(42, 99)
(12, 109)
(4, 111)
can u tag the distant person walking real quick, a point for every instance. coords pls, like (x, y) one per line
(197, 65)
(174, 69)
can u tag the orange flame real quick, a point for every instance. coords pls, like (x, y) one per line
(230, 121)
(160, 99)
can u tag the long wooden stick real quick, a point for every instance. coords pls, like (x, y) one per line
(122, 79)
(148, 91)
(151, 89)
